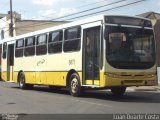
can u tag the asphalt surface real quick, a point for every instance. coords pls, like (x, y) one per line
(42, 100)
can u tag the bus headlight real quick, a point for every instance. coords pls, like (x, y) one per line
(151, 75)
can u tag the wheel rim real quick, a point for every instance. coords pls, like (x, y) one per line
(74, 85)
(21, 81)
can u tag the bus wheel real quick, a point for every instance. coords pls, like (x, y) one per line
(21, 80)
(118, 91)
(74, 85)
(22, 84)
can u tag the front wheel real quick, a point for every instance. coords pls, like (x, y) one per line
(118, 91)
(74, 85)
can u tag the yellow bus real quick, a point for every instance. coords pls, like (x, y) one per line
(105, 52)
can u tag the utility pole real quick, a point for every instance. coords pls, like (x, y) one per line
(11, 24)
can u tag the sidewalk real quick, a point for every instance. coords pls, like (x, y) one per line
(145, 88)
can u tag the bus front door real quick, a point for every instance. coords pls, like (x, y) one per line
(10, 62)
(91, 56)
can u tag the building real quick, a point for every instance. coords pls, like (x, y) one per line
(155, 18)
(23, 26)
(151, 15)
(4, 25)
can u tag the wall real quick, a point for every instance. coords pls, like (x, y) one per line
(157, 38)
(4, 25)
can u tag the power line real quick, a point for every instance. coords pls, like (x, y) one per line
(38, 24)
(94, 12)
(4, 5)
(90, 9)
(4, 21)
(113, 8)
(82, 6)
(108, 9)
(121, 6)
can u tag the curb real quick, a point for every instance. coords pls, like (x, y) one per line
(145, 88)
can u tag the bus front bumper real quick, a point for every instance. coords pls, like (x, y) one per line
(130, 80)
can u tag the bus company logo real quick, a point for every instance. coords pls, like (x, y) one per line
(72, 62)
(40, 62)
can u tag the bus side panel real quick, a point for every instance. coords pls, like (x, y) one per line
(4, 75)
(30, 77)
(56, 78)
(73, 61)
(15, 77)
(29, 68)
(58, 66)
(4, 69)
(18, 65)
(40, 66)
(27, 65)
(55, 72)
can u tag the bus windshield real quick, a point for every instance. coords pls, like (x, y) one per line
(130, 48)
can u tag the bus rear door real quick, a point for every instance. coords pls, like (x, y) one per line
(10, 61)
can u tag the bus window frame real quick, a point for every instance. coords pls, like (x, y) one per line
(41, 45)
(19, 48)
(30, 46)
(79, 28)
(60, 41)
(4, 57)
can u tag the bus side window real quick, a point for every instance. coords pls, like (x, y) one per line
(19, 48)
(4, 50)
(41, 44)
(55, 42)
(29, 46)
(72, 40)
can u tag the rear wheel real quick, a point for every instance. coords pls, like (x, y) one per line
(74, 85)
(118, 91)
(22, 84)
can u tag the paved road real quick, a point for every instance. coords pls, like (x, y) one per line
(42, 100)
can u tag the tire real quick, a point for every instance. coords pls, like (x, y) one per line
(21, 81)
(74, 85)
(118, 91)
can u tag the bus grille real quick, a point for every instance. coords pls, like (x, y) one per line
(133, 75)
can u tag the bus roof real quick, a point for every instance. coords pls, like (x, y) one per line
(66, 25)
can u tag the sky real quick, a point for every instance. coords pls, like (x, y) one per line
(50, 9)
